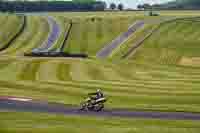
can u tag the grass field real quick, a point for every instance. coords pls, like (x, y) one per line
(35, 33)
(43, 123)
(132, 41)
(90, 34)
(171, 43)
(162, 75)
(151, 87)
(143, 86)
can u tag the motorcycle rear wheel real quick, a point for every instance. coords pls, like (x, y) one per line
(99, 107)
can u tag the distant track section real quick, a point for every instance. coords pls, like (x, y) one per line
(139, 42)
(150, 32)
(53, 36)
(107, 50)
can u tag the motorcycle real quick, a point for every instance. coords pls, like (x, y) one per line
(92, 104)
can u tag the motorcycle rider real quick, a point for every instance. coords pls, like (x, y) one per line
(95, 101)
(97, 95)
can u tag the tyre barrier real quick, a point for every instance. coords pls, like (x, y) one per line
(55, 54)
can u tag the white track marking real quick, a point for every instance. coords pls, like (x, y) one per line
(20, 99)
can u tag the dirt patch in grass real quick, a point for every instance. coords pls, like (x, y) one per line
(190, 61)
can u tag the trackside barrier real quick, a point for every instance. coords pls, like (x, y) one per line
(23, 25)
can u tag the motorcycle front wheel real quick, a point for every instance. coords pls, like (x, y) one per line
(83, 106)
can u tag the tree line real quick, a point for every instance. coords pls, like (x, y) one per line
(114, 6)
(38, 6)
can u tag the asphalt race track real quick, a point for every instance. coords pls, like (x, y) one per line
(108, 49)
(53, 36)
(29, 105)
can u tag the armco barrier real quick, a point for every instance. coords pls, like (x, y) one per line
(23, 25)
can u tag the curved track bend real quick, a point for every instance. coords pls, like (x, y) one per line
(53, 36)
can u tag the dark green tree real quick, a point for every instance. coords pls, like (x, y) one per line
(84, 1)
(120, 7)
(113, 6)
(188, 1)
